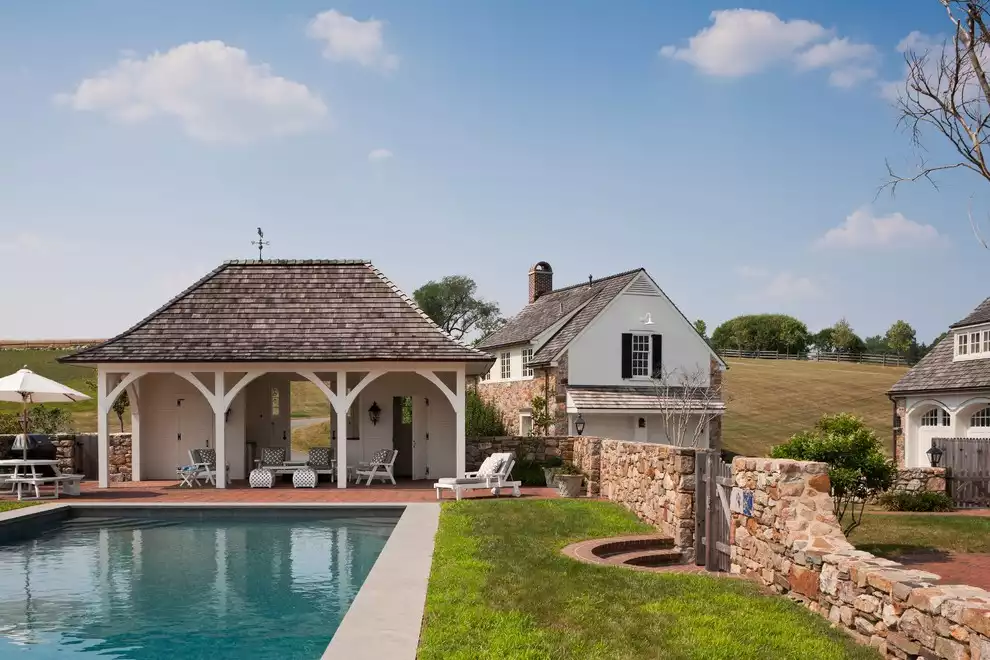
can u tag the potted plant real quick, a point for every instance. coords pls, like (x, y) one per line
(569, 480)
(550, 469)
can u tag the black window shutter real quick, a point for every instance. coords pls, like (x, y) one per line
(657, 366)
(627, 355)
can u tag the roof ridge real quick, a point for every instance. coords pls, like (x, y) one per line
(412, 303)
(600, 279)
(182, 294)
(296, 262)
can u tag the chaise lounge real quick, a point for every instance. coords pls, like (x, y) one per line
(495, 473)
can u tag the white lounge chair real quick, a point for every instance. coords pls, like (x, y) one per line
(495, 473)
(379, 467)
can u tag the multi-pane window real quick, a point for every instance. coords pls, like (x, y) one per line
(974, 342)
(640, 355)
(276, 404)
(487, 375)
(935, 417)
(986, 341)
(506, 366)
(981, 418)
(527, 357)
(962, 344)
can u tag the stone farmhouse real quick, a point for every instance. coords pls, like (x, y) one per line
(593, 350)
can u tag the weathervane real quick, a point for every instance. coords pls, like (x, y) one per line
(261, 243)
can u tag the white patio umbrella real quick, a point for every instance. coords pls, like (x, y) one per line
(26, 387)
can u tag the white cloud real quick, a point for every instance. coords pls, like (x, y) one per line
(379, 155)
(215, 92)
(863, 229)
(782, 287)
(752, 272)
(742, 42)
(347, 39)
(20, 243)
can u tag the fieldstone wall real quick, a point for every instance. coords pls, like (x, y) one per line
(901, 412)
(784, 534)
(515, 396)
(532, 448)
(656, 482)
(67, 447)
(919, 480)
(587, 457)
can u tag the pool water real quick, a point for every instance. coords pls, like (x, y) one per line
(268, 587)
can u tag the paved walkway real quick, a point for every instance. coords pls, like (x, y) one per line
(168, 491)
(954, 567)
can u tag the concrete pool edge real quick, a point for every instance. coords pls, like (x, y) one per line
(386, 616)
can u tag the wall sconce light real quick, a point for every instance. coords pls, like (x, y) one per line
(579, 424)
(647, 320)
(375, 413)
(934, 455)
(642, 422)
(226, 416)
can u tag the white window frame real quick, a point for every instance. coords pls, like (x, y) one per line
(934, 418)
(639, 369)
(505, 365)
(986, 341)
(522, 416)
(527, 357)
(980, 419)
(974, 343)
(962, 343)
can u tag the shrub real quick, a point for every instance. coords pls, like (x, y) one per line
(858, 469)
(482, 418)
(922, 501)
(41, 419)
(530, 473)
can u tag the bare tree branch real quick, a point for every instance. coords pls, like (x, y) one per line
(688, 402)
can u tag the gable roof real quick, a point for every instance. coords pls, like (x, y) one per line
(979, 315)
(286, 311)
(938, 371)
(548, 309)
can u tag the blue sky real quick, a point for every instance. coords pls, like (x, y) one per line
(143, 143)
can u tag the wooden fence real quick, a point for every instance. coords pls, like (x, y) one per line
(967, 463)
(713, 488)
(865, 358)
(45, 344)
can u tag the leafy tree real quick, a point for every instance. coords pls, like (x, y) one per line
(120, 406)
(844, 339)
(900, 337)
(858, 469)
(454, 305)
(876, 344)
(482, 418)
(701, 327)
(762, 332)
(41, 419)
(823, 341)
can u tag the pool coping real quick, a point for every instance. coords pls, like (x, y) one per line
(385, 617)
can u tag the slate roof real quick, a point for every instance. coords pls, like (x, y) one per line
(618, 397)
(551, 307)
(937, 371)
(979, 315)
(286, 311)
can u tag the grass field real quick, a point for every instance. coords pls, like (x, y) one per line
(770, 400)
(500, 588)
(893, 535)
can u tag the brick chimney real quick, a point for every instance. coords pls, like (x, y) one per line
(540, 280)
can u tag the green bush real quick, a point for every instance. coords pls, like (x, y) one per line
(530, 473)
(482, 418)
(858, 469)
(922, 501)
(41, 419)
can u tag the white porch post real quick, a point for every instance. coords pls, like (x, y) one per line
(134, 397)
(340, 406)
(219, 428)
(459, 410)
(103, 437)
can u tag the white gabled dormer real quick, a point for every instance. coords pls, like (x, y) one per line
(971, 343)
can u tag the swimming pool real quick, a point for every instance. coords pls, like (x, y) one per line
(221, 584)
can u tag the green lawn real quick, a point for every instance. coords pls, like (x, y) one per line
(500, 588)
(10, 506)
(770, 400)
(893, 535)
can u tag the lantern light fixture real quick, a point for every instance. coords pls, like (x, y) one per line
(579, 424)
(934, 454)
(375, 413)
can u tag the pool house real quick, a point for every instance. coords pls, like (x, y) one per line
(214, 367)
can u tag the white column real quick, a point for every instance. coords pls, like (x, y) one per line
(134, 397)
(219, 428)
(461, 421)
(103, 435)
(341, 406)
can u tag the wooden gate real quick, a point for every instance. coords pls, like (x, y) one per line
(713, 488)
(967, 463)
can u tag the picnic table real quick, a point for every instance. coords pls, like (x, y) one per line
(25, 473)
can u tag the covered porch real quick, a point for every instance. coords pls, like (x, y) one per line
(237, 409)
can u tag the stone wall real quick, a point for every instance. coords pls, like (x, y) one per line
(587, 457)
(68, 446)
(515, 396)
(531, 448)
(656, 482)
(901, 412)
(919, 480)
(785, 535)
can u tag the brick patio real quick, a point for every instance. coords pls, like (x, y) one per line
(238, 491)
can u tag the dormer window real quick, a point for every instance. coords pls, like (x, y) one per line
(962, 344)
(972, 344)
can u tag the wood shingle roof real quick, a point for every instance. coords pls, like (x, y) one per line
(286, 311)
